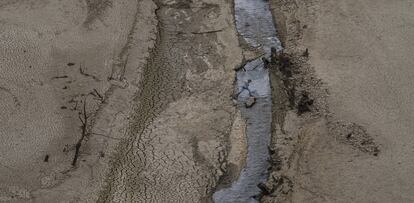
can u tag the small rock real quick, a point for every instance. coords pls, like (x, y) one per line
(250, 102)
(234, 102)
(265, 62)
(376, 151)
(71, 64)
(306, 53)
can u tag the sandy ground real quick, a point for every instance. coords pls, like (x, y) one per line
(156, 78)
(362, 52)
(55, 56)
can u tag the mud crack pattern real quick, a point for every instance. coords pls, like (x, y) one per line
(175, 149)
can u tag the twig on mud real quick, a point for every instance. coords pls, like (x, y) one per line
(96, 93)
(60, 77)
(246, 61)
(86, 74)
(207, 32)
(107, 136)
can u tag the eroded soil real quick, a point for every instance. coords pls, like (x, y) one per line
(347, 144)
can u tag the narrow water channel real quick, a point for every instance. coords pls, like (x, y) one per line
(254, 23)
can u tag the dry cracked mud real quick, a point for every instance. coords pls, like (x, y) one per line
(156, 80)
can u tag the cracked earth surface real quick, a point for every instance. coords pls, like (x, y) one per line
(157, 88)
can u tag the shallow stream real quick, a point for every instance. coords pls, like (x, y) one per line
(254, 23)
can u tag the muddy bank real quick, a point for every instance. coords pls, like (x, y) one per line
(339, 149)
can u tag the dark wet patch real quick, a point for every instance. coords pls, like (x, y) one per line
(230, 175)
(354, 135)
(282, 65)
(60, 77)
(96, 9)
(304, 104)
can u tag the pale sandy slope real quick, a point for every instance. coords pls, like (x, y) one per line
(363, 51)
(40, 94)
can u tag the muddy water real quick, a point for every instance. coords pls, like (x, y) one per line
(254, 23)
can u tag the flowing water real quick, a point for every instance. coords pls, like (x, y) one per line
(254, 23)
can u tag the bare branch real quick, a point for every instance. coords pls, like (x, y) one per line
(84, 134)
(207, 32)
(86, 74)
(99, 95)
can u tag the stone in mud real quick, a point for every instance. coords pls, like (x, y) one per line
(273, 53)
(250, 102)
(264, 188)
(265, 62)
(234, 101)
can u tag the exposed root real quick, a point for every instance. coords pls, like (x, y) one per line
(83, 117)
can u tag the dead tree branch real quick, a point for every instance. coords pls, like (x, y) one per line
(207, 32)
(83, 117)
(96, 93)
